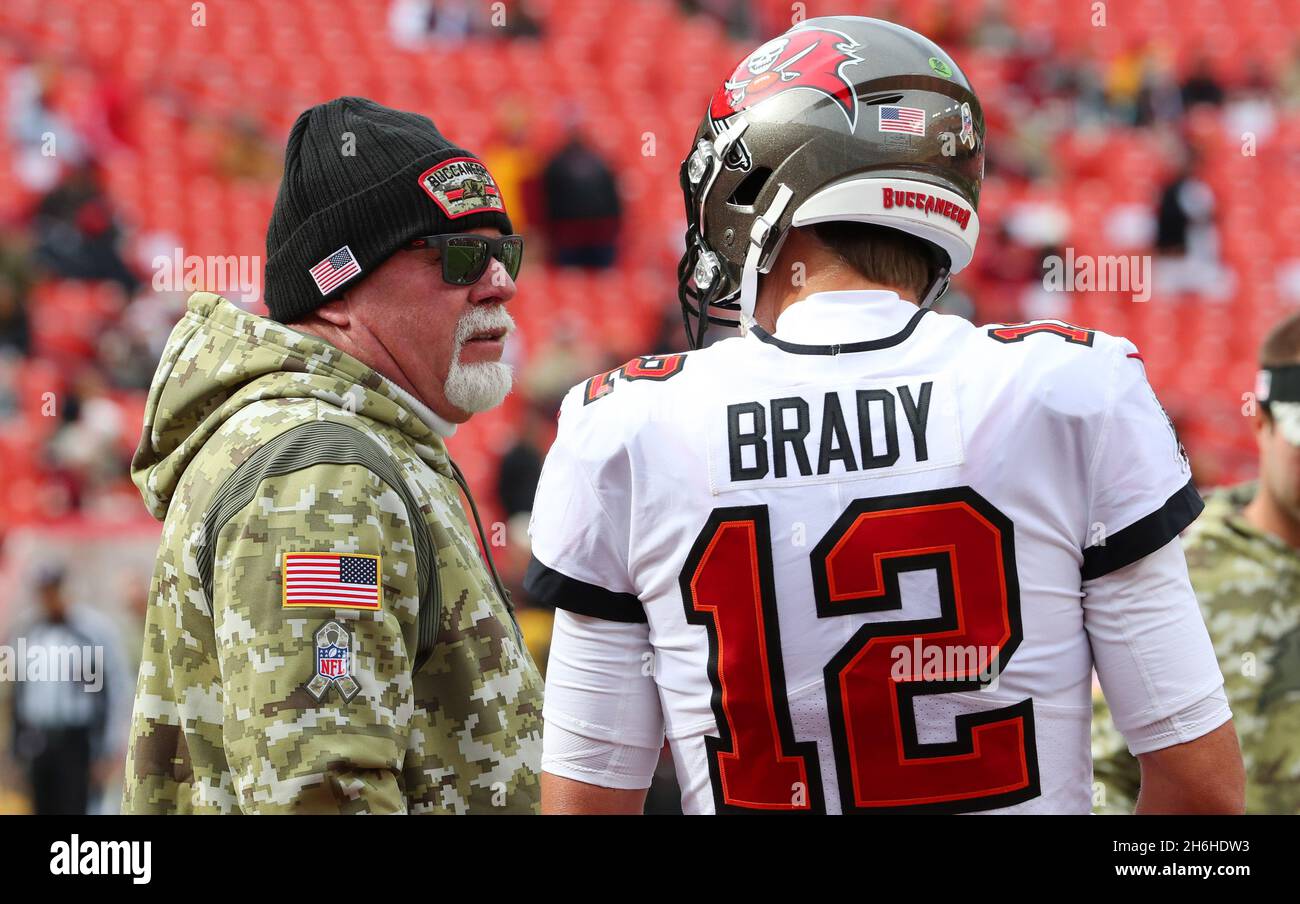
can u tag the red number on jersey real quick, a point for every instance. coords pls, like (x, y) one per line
(1076, 334)
(647, 367)
(727, 582)
(882, 765)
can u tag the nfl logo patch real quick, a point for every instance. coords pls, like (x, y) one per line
(333, 663)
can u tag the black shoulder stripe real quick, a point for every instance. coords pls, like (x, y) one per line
(305, 446)
(1145, 536)
(546, 585)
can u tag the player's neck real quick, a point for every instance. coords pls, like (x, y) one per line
(803, 268)
(770, 307)
(1263, 513)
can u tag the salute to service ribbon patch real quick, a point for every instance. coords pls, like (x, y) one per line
(333, 663)
(330, 579)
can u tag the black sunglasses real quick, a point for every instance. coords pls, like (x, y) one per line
(465, 255)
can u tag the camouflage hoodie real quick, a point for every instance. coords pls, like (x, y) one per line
(1248, 585)
(257, 691)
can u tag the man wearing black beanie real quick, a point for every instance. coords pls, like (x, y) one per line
(323, 634)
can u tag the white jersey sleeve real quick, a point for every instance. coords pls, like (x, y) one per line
(1152, 652)
(1150, 646)
(581, 517)
(1140, 490)
(604, 725)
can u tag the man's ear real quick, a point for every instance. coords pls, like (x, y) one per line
(336, 313)
(1263, 424)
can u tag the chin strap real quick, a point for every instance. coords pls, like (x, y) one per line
(759, 234)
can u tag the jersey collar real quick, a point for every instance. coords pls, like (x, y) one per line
(833, 323)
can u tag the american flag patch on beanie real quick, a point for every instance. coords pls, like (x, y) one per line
(335, 270)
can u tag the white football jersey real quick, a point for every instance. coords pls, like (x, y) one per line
(860, 548)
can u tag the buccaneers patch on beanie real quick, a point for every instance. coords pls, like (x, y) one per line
(360, 181)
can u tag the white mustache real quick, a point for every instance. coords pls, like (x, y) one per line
(483, 318)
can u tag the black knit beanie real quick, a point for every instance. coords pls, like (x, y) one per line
(360, 181)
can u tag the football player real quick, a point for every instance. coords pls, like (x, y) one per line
(863, 557)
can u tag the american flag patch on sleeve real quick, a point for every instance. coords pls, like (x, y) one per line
(335, 270)
(330, 579)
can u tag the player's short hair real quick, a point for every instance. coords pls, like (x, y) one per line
(1282, 344)
(886, 256)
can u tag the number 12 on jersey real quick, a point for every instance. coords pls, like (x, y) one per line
(882, 766)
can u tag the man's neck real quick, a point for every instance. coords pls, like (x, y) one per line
(387, 368)
(1263, 513)
(431, 418)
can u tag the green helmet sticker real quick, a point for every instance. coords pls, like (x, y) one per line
(940, 67)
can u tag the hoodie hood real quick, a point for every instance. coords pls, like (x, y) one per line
(220, 359)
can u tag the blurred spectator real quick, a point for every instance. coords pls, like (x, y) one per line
(1187, 240)
(958, 302)
(1202, 86)
(1250, 108)
(62, 734)
(453, 20)
(83, 453)
(1289, 84)
(993, 33)
(246, 153)
(1159, 98)
(414, 24)
(77, 233)
(129, 348)
(1124, 81)
(15, 331)
(1015, 265)
(1243, 556)
(582, 208)
(517, 476)
(672, 331)
(736, 16)
(566, 360)
(16, 278)
(46, 140)
(512, 160)
(410, 23)
(521, 466)
(9, 402)
(126, 357)
(520, 22)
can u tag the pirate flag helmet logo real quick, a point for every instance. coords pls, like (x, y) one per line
(810, 57)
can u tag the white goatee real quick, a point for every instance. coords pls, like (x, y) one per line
(485, 385)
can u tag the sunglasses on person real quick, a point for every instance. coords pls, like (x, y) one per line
(465, 255)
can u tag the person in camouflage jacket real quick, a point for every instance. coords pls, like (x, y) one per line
(323, 635)
(1243, 556)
